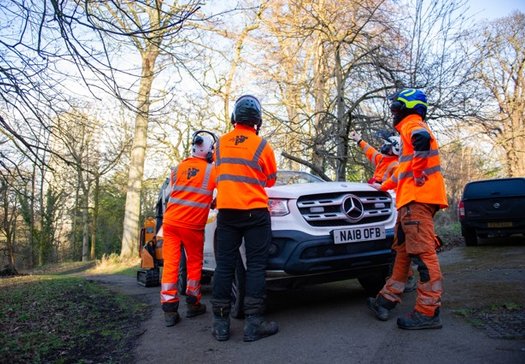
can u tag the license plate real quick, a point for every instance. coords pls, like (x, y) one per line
(354, 235)
(499, 224)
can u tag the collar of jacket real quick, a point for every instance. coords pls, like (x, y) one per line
(411, 117)
(245, 127)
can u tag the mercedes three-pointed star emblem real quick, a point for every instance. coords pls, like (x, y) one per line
(353, 208)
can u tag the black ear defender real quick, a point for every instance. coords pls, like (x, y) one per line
(196, 139)
(397, 106)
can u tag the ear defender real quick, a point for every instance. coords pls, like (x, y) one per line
(200, 145)
(197, 140)
(397, 106)
(209, 157)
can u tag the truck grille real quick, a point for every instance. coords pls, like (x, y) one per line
(343, 209)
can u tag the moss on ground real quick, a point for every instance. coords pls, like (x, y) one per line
(61, 319)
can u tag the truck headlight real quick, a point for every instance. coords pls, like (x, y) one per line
(278, 207)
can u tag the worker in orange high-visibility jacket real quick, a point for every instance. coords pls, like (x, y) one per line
(385, 163)
(183, 224)
(245, 166)
(420, 193)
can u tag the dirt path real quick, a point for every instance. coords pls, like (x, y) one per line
(484, 321)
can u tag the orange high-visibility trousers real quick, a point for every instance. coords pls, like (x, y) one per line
(415, 241)
(193, 242)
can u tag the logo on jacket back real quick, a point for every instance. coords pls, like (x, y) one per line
(191, 172)
(239, 139)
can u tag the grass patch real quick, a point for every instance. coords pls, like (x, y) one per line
(59, 319)
(470, 314)
(502, 321)
(61, 268)
(114, 264)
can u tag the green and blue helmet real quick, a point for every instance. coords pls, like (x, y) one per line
(408, 101)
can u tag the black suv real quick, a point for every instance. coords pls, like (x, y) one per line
(492, 208)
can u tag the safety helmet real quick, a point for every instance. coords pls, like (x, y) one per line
(408, 101)
(203, 144)
(247, 110)
(391, 146)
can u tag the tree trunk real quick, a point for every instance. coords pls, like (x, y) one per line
(517, 160)
(85, 228)
(342, 145)
(9, 227)
(130, 235)
(320, 80)
(32, 228)
(96, 194)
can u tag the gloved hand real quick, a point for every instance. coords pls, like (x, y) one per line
(420, 181)
(356, 137)
(376, 185)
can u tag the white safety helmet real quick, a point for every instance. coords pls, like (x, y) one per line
(202, 145)
(395, 141)
(391, 146)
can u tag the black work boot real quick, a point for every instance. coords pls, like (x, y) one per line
(221, 324)
(380, 306)
(171, 318)
(195, 309)
(417, 321)
(256, 328)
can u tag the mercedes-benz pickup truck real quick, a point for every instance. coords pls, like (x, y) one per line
(321, 232)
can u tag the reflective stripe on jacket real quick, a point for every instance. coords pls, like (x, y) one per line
(245, 166)
(189, 202)
(384, 165)
(417, 158)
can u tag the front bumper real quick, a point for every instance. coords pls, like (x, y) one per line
(294, 253)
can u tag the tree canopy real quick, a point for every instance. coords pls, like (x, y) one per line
(99, 98)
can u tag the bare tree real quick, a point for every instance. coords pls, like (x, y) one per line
(8, 221)
(501, 71)
(95, 150)
(335, 63)
(323, 59)
(149, 26)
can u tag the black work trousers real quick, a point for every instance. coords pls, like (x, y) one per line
(232, 226)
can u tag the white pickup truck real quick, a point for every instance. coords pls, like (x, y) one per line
(321, 232)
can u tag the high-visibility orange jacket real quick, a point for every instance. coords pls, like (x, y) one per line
(384, 165)
(419, 157)
(193, 183)
(245, 166)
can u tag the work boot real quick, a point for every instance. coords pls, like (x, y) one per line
(380, 306)
(221, 324)
(411, 284)
(195, 309)
(256, 328)
(171, 315)
(171, 318)
(417, 321)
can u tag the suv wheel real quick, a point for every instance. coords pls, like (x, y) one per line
(470, 236)
(238, 290)
(373, 282)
